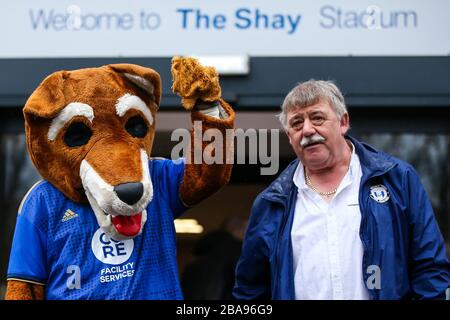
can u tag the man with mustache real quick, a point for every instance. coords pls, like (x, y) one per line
(342, 221)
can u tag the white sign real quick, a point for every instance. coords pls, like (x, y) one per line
(142, 28)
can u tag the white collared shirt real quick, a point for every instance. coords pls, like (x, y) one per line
(326, 246)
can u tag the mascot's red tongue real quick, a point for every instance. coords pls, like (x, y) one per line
(128, 225)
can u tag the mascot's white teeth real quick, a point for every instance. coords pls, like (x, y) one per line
(118, 215)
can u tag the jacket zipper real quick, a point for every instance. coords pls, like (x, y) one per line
(365, 246)
(372, 294)
(286, 216)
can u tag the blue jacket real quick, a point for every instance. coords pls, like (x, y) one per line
(401, 238)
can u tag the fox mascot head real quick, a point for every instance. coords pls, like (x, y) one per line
(90, 133)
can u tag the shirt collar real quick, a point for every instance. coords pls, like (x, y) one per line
(354, 161)
(299, 175)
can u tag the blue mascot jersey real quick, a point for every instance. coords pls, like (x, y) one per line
(58, 243)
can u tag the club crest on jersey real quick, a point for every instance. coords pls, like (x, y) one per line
(379, 193)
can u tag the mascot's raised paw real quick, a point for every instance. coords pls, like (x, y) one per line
(192, 81)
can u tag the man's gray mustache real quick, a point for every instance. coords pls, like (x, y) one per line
(306, 141)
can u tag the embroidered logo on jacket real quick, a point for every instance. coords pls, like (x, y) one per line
(379, 193)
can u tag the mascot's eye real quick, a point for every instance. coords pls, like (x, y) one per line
(77, 134)
(136, 126)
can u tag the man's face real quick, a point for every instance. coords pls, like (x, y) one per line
(317, 135)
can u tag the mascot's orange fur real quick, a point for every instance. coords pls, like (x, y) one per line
(90, 134)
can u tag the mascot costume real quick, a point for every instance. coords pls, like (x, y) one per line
(100, 224)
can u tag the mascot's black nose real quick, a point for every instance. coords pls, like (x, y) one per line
(130, 192)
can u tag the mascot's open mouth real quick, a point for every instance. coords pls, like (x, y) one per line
(128, 226)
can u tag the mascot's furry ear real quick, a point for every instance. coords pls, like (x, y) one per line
(50, 97)
(146, 79)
